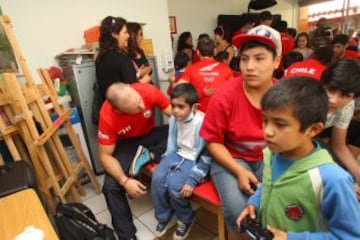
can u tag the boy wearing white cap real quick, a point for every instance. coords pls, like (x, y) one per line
(233, 122)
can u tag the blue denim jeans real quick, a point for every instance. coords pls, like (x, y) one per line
(232, 198)
(167, 182)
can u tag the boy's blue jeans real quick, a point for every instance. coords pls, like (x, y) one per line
(167, 182)
(233, 200)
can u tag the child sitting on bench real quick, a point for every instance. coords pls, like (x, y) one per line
(184, 165)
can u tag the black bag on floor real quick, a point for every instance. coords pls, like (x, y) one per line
(75, 221)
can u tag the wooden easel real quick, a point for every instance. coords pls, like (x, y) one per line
(26, 107)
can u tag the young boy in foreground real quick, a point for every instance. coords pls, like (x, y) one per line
(304, 194)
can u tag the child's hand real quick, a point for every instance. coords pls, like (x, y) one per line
(186, 191)
(278, 234)
(248, 211)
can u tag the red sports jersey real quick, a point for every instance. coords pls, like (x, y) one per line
(233, 121)
(351, 54)
(309, 68)
(206, 73)
(287, 43)
(114, 125)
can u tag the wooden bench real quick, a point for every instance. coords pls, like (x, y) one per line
(204, 195)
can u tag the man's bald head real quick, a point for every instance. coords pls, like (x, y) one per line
(124, 98)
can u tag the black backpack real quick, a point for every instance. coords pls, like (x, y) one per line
(75, 221)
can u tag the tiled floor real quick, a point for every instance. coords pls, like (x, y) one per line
(205, 227)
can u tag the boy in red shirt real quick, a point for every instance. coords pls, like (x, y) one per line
(206, 75)
(233, 122)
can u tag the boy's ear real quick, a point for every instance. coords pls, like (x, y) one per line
(195, 107)
(315, 129)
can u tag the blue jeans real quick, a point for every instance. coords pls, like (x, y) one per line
(232, 198)
(167, 182)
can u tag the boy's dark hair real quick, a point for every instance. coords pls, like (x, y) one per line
(203, 35)
(341, 39)
(305, 95)
(181, 60)
(252, 44)
(281, 26)
(221, 56)
(187, 91)
(265, 15)
(292, 32)
(343, 75)
(206, 47)
(292, 57)
(325, 55)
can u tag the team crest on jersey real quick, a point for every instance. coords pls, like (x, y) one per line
(147, 114)
(294, 212)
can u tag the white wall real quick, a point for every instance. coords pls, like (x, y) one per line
(45, 28)
(201, 15)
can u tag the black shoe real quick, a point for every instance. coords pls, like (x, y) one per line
(161, 229)
(182, 231)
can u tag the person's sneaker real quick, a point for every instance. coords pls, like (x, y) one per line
(182, 231)
(161, 229)
(141, 158)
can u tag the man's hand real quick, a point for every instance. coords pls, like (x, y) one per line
(134, 188)
(278, 234)
(248, 211)
(186, 191)
(208, 91)
(244, 179)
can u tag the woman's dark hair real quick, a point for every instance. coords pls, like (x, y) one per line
(304, 95)
(343, 76)
(182, 44)
(181, 60)
(302, 34)
(109, 25)
(186, 90)
(223, 32)
(325, 55)
(133, 47)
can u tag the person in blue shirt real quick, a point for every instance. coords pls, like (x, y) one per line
(304, 193)
(185, 164)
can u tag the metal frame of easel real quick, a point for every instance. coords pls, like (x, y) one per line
(26, 110)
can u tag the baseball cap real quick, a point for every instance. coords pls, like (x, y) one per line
(261, 33)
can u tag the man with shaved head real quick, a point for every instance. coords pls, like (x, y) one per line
(127, 137)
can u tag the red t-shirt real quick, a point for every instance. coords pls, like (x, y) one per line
(233, 121)
(114, 125)
(351, 54)
(287, 43)
(206, 73)
(309, 68)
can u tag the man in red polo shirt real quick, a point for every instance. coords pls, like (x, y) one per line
(206, 75)
(126, 124)
(340, 43)
(312, 67)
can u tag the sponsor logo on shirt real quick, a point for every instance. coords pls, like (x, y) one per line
(103, 135)
(310, 71)
(208, 74)
(124, 130)
(294, 212)
(147, 114)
